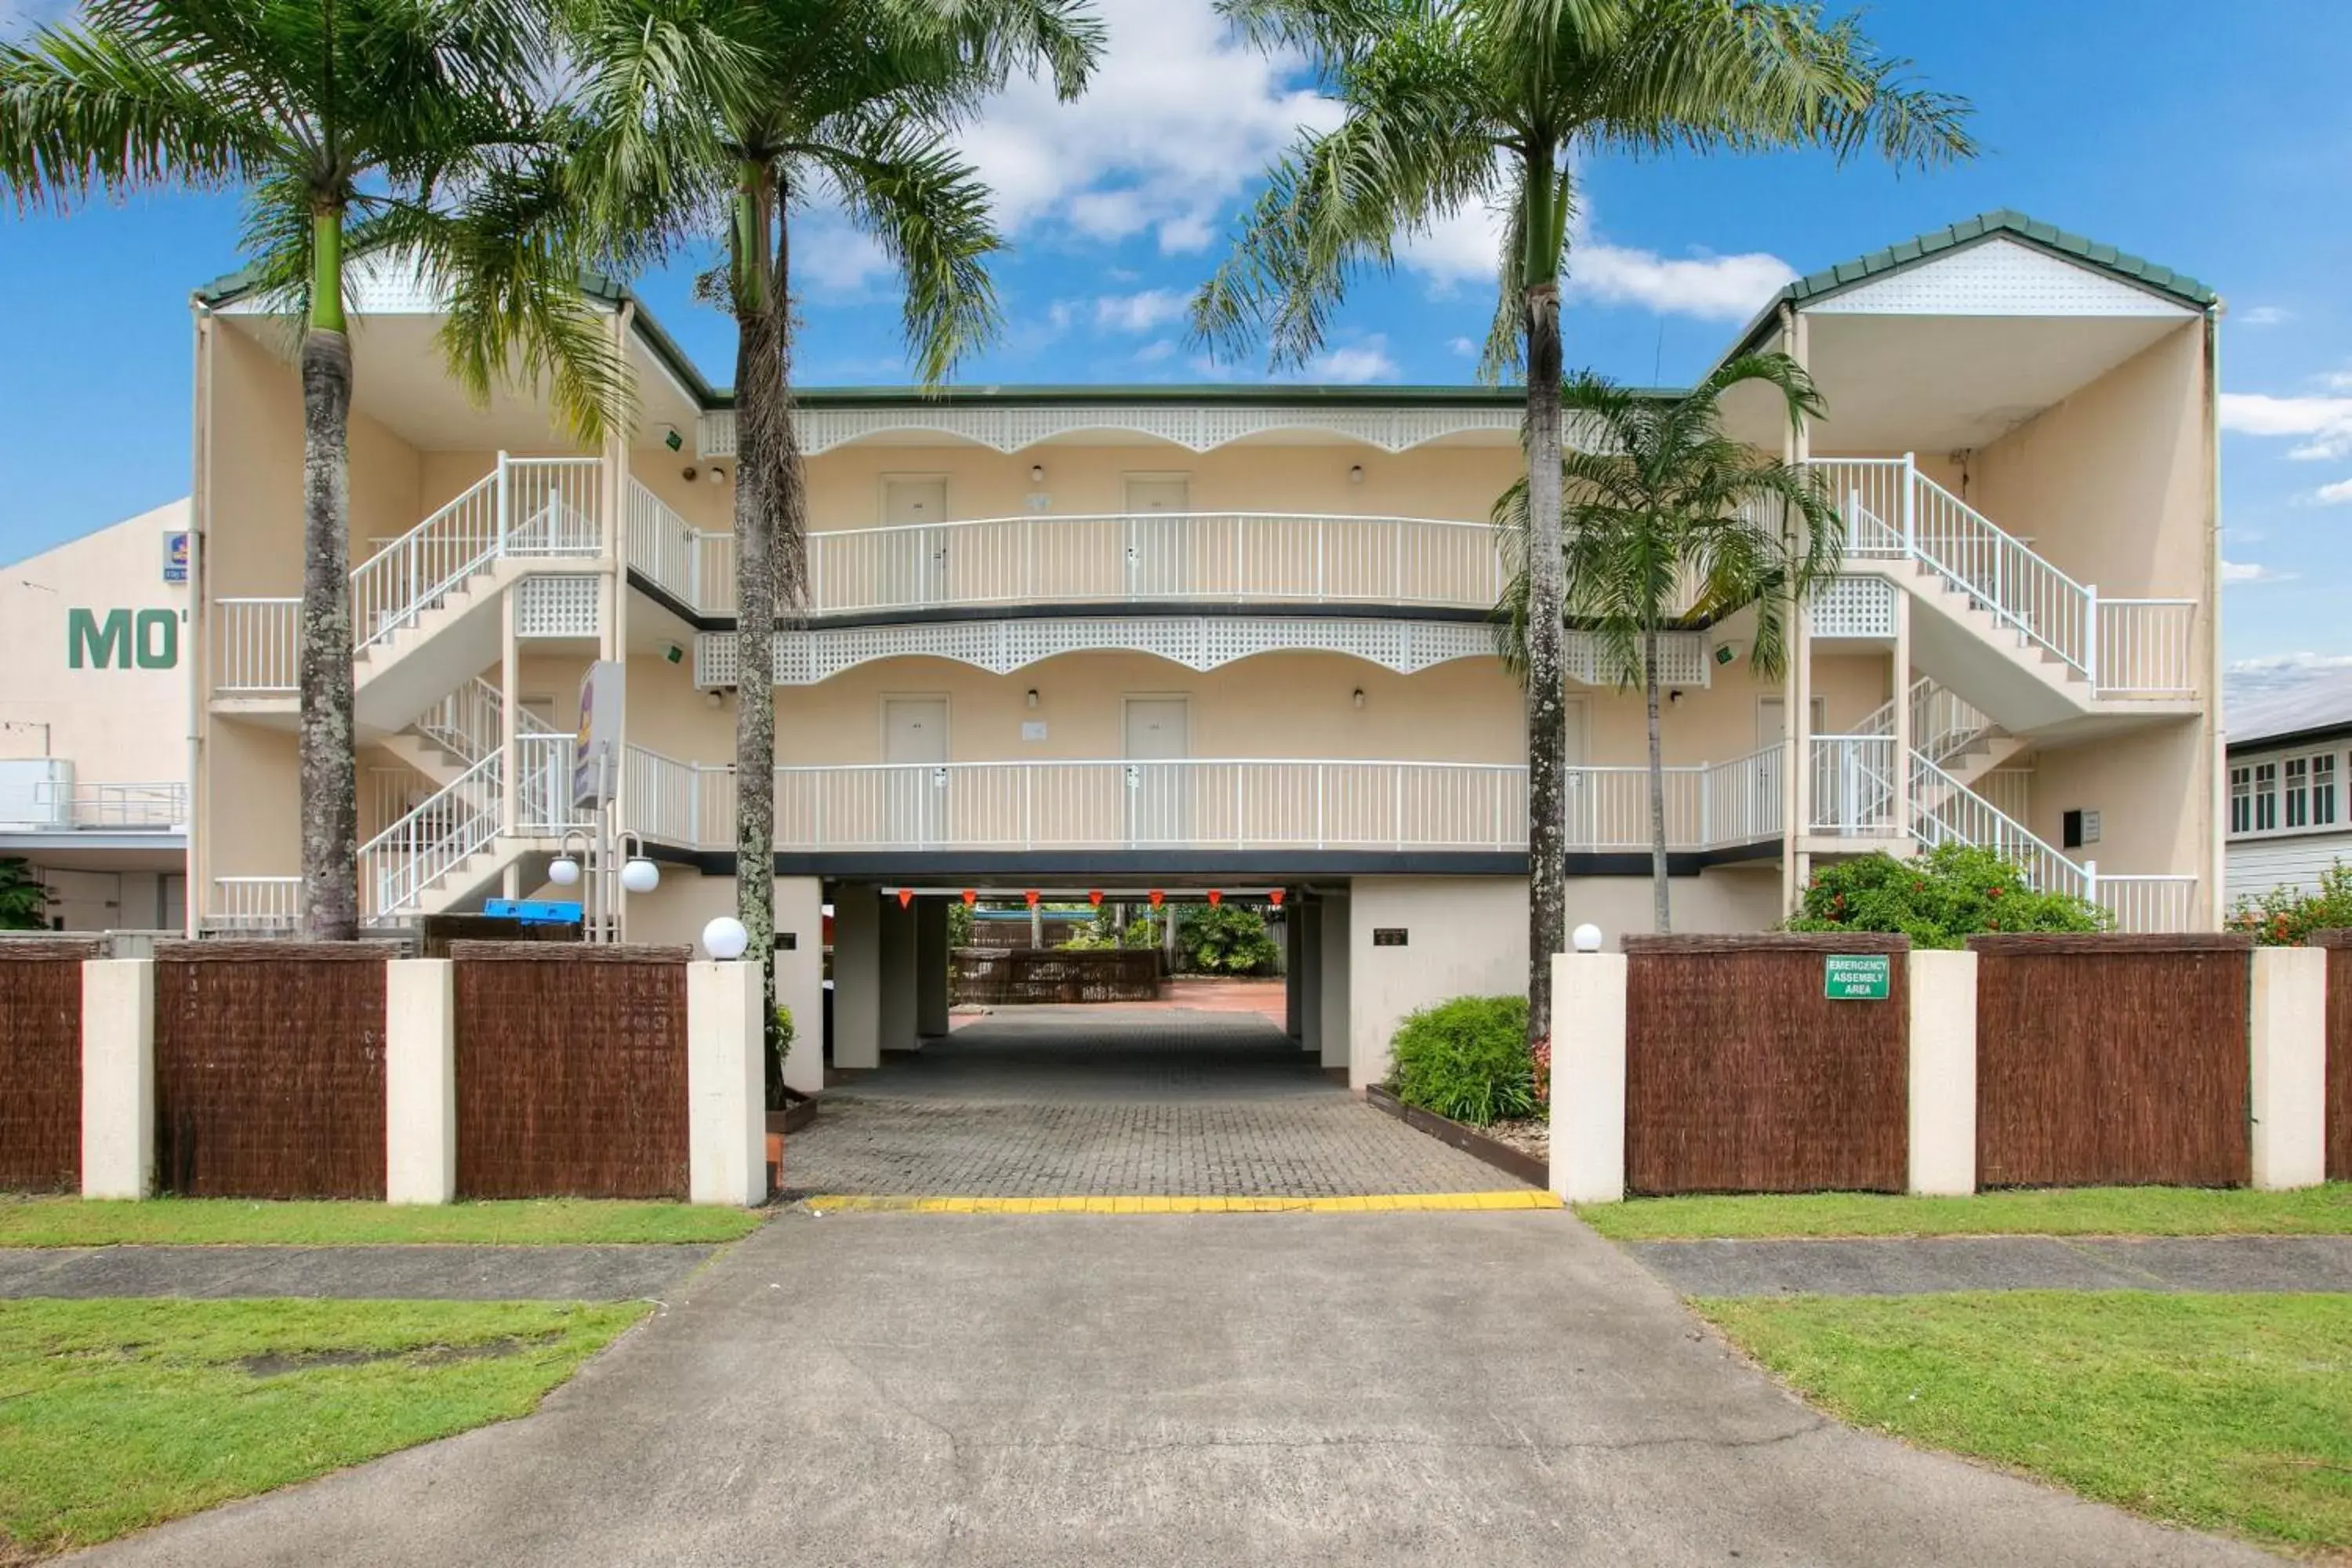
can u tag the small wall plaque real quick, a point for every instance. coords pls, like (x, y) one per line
(1389, 936)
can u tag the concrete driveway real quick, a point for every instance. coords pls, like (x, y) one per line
(1423, 1389)
(1116, 1101)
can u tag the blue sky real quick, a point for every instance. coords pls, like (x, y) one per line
(2223, 151)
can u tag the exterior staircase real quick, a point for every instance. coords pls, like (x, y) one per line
(1998, 623)
(426, 608)
(450, 847)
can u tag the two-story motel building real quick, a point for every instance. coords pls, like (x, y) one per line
(1189, 637)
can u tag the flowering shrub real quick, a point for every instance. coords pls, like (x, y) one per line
(2285, 917)
(1940, 899)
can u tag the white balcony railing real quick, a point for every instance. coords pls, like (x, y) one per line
(88, 806)
(2144, 903)
(255, 905)
(1200, 803)
(2122, 648)
(1209, 557)
(254, 643)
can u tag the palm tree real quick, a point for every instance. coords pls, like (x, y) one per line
(1671, 522)
(353, 128)
(713, 120)
(1450, 105)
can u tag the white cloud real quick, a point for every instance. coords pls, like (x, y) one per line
(1462, 347)
(2265, 316)
(2337, 494)
(2278, 663)
(1463, 249)
(1359, 361)
(1138, 313)
(831, 256)
(1153, 353)
(2248, 572)
(1178, 120)
(2326, 422)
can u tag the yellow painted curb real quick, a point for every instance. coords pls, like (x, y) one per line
(1375, 1203)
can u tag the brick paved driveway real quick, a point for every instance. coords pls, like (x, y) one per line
(1065, 1101)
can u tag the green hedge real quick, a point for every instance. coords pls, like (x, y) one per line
(1467, 1059)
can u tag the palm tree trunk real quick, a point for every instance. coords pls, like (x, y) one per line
(327, 762)
(1661, 917)
(760, 442)
(1547, 674)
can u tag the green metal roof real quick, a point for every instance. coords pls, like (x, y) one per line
(2002, 222)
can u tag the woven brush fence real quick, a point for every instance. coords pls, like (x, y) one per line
(571, 1071)
(1742, 1077)
(2112, 1060)
(269, 1068)
(1014, 976)
(40, 1063)
(2339, 1108)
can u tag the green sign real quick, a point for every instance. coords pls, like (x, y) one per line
(1855, 977)
(119, 640)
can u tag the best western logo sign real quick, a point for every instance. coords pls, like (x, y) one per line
(122, 639)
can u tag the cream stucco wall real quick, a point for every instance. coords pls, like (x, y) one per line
(2113, 484)
(2146, 786)
(1273, 705)
(125, 722)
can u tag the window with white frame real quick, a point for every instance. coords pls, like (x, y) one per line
(2241, 800)
(2265, 797)
(2285, 795)
(2323, 790)
(2298, 792)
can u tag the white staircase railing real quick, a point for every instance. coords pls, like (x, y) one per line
(1946, 811)
(1943, 723)
(471, 722)
(2122, 648)
(402, 864)
(1854, 786)
(525, 506)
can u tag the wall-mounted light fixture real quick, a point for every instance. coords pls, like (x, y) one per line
(690, 473)
(1356, 474)
(1036, 473)
(1357, 697)
(1032, 697)
(710, 699)
(1675, 698)
(718, 475)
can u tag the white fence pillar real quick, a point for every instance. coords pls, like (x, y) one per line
(726, 1121)
(118, 1078)
(2288, 1023)
(1588, 1076)
(1943, 1072)
(420, 1081)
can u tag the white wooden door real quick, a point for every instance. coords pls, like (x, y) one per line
(1773, 776)
(1579, 798)
(1156, 536)
(915, 785)
(1158, 738)
(914, 563)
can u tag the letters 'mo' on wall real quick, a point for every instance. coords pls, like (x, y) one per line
(122, 639)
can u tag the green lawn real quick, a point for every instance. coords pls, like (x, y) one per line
(2081, 1211)
(2229, 1413)
(72, 1222)
(117, 1415)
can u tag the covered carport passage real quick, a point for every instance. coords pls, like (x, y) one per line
(1133, 1099)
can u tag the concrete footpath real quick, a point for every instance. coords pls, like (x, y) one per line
(1483, 1389)
(1905, 1266)
(349, 1273)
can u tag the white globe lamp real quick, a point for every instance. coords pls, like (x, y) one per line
(563, 871)
(639, 874)
(1587, 938)
(725, 938)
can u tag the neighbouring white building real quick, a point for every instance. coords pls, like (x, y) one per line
(95, 700)
(2289, 817)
